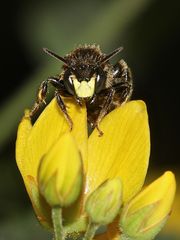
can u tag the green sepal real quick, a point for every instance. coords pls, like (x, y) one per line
(49, 191)
(103, 205)
(134, 226)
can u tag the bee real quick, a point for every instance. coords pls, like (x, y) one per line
(88, 77)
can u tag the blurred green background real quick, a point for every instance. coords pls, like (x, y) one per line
(148, 30)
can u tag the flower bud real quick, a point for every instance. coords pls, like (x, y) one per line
(104, 203)
(146, 214)
(60, 173)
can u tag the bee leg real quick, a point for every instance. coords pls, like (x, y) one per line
(107, 103)
(79, 101)
(42, 92)
(121, 70)
(93, 99)
(117, 94)
(63, 109)
(123, 80)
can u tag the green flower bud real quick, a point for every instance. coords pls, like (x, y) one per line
(60, 173)
(104, 203)
(145, 215)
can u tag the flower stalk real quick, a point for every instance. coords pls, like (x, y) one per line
(57, 223)
(91, 230)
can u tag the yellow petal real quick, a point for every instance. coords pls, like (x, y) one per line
(122, 151)
(40, 206)
(50, 126)
(160, 193)
(23, 133)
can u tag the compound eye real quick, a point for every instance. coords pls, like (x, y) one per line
(70, 79)
(100, 80)
(68, 82)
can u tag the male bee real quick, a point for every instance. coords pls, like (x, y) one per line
(89, 78)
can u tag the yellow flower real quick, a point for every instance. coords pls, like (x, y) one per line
(123, 151)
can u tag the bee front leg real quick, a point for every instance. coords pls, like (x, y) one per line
(118, 93)
(42, 92)
(63, 109)
(106, 104)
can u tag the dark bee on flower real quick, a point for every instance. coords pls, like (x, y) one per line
(89, 78)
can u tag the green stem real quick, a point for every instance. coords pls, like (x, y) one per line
(57, 223)
(90, 232)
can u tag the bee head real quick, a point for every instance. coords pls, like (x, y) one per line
(84, 80)
(84, 73)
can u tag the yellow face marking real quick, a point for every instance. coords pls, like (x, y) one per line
(84, 89)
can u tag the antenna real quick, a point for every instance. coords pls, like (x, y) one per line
(52, 54)
(112, 54)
